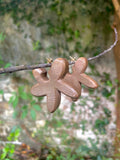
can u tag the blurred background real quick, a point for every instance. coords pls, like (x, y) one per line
(30, 32)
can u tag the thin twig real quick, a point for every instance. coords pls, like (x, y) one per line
(23, 67)
(12, 142)
(107, 50)
(31, 67)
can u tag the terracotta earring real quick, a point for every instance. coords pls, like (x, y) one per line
(61, 81)
(78, 77)
(56, 84)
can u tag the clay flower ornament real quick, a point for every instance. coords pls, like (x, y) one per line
(53, 84)
(78, 77)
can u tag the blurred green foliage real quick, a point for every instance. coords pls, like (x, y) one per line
(2, 62)
(28, 99)
(9, 149)
(59, 19)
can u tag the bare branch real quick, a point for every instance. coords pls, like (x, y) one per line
(31, 67)
(107, 50)
(23, 67)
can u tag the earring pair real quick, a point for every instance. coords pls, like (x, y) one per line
(59, 80)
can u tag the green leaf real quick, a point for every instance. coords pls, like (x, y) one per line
(77, 34)
(24, 96)
(49, 157)
(33, 114)
(105, 93)
(37, 46)
(24, 114)
(36, 107)
(72, 106)
(109, 83)
(2, 37)
(11, 99)
(1, 92)
(59, 123)
(21, 89)
(12, 151)
(15, 114)
(40, 98)
(24, 111)
(107, 112)
(3, 155)
(17, 133)
(112, 91)
(22, 93)
(7, 65)
(25, 107)
(15, 102)
(29, 96)
(100, 125)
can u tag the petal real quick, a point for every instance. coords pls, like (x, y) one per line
(80, 65)
(38, 90)
(67, 89)
(86, 80)
(40, 74)
(72, 80)
(58, 69)
(53, 100)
